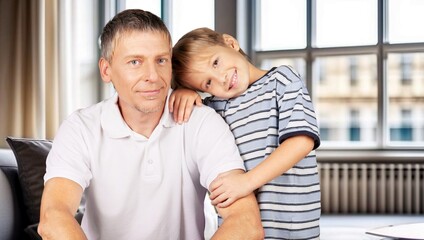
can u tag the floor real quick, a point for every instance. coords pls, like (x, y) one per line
(353, 227)
(338, 227)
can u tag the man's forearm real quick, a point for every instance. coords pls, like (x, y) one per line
(59, 203)
(241, 221)
(55, 224)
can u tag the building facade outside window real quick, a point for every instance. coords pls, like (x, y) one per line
(365, 74)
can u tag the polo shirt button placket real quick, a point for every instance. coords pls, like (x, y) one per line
(149, 168)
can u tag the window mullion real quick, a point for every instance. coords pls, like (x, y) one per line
(382, 130)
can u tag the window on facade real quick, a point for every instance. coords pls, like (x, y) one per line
(406, 68)
(365, 74)
(406, 98)
(353, 71)
(402, 130)
(336, 96)
(355, 129)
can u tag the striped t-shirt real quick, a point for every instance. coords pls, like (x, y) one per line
(274, 108)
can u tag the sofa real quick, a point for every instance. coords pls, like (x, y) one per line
(13, 219)
(21, 185)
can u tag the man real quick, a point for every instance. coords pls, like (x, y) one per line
(144, 176)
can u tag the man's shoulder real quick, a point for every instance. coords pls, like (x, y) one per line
(90, 114)
(203, 111)
(89, 111)
(204, 116)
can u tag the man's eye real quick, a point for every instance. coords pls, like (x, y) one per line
(134, 62)
(163, 60)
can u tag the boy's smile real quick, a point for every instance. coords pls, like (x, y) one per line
(234, 80)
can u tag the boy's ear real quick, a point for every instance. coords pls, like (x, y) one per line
(104, 68)
(231, 42)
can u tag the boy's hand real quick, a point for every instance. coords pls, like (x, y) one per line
(181, 104)
(226, 189)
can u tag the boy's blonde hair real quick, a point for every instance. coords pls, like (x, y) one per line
(191, 45)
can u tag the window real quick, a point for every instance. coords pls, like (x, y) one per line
(353, 71)
(404, 17)
(183, 20)
(335, 95)
(153, 6)
(355, 130)
(338, 24)
(365, 74)
(402, 130)
(176, 15)
(278, 15)
(405, 90)
(406, 68)
(78, 59)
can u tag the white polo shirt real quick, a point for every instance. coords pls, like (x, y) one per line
(139, 188)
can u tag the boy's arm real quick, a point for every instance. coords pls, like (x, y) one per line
(241, 219)
(181, 103)
(59, 203)
(225, 189)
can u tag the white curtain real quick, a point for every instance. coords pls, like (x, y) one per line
(28, 69)
(48, 65)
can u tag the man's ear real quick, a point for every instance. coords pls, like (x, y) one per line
(104, 68)
(231, 42)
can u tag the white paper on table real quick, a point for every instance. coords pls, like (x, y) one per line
(404, 231)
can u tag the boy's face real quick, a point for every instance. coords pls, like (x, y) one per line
(140, 70)
(220, 71)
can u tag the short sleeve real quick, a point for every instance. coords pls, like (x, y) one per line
(213, 145)
(296, 112)
(68, 157)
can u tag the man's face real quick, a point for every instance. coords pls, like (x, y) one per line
(140, 71)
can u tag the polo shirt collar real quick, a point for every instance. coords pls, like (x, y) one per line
(167, 119)
(114, 125)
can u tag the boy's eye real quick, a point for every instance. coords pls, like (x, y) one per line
(215, 63)
(208, 83)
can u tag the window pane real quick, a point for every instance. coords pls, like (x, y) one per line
(84, 81)
(345, 96)
(405, 21)
(405, 85)
(184, 20)
(153, 6)
(346, 22)
(282, 24)
(298, 64)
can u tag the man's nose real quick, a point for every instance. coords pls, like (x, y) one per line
(151, 72)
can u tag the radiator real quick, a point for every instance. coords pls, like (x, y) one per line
(372, 188)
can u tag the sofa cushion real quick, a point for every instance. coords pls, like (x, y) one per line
(31, 157)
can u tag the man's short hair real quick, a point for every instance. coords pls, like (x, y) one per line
(128, 21)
